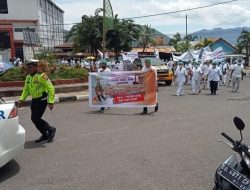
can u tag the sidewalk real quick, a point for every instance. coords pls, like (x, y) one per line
(64, 93)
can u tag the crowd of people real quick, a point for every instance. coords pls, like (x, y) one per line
(207, 75)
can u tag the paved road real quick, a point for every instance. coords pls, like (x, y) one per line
(173, 149)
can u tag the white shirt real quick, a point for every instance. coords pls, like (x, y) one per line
(197, 73)
(237, 71)
(205, 69)
(170, 64)
(181, 74)
(214, 74)
(105, 70)
(225, 66)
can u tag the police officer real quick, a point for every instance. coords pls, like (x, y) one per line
(42, 91)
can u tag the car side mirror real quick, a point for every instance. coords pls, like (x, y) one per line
(239, 123)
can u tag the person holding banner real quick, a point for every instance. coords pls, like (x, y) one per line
(103, 68)
(146, 68)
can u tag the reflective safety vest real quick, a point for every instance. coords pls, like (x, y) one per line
(37, 86)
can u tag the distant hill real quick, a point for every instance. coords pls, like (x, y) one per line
(230, 34)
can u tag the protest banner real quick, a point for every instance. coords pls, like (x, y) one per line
(122, 89)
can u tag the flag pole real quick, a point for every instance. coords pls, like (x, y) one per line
(103, 30)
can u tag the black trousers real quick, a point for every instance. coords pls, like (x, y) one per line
(38, 108)
(213, 86)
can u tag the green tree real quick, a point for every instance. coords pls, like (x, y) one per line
(121, 37)
(204, 43)
(183, 46)
(190, 37)
(243, 42)
(146, 37)
(87, 34)
(174, 41)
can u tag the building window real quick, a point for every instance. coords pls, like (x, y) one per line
(5, 40)
(21, 29)
(3, 7)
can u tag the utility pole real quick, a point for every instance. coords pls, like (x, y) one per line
(186, 34)
(104, 30)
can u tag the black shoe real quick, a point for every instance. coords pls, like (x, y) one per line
(52, 134)
(156, 108)
(41, 139)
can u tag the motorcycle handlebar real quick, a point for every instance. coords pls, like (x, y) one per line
(228, 138)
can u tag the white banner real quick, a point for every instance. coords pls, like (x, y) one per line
(122, 89)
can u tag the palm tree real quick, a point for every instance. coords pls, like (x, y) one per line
(174, 41)
(146, 36)
(243, 41)
(204, 43)
(122, 36)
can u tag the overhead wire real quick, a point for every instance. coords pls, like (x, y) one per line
(183, 10)
(144, 16)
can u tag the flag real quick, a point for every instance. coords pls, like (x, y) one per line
(108, 20)
(157, 54)
(101, 54)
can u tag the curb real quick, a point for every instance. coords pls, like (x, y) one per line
(60, 99)
(17, 91)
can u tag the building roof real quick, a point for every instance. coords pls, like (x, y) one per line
(214, 40)
(56, 5)
(65, 45)
(164, 49)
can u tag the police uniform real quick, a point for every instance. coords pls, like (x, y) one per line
(39, 87)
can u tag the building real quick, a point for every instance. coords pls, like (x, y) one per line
(28, 26)
(220, 42)
(216, 43)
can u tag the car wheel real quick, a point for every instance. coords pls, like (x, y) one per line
(168, 82)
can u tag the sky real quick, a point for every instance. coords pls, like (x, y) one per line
(228, 15)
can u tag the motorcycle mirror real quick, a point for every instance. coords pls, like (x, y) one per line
(239, 123)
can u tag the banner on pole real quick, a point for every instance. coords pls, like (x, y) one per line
(109, 17)
(122, 89)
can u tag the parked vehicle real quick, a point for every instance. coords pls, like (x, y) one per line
(12, 134)
(164, 73)
(234, 173)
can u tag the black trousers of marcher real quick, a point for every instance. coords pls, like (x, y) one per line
(213, 86)
(38, 108)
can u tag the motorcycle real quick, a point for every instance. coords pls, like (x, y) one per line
(234, 173)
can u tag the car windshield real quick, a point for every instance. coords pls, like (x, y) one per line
(1, 101)
(154, 61)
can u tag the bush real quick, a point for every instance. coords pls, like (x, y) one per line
(65, 72)
(54, 72)
(13, 74)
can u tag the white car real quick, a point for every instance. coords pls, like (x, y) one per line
(12, 135)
